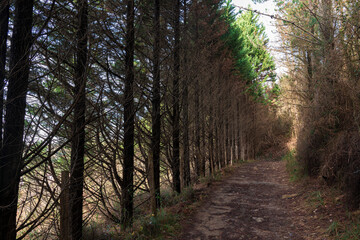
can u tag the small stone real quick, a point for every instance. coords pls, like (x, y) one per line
(258, 219)
(339, 198)
(289, 196)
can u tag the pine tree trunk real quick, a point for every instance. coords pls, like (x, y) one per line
(156, 120)
(233, 132)
(197, 129)
(176, 98)
(64, 207)
(197, 109)
(203, 143)
(222, 145)
(238, 131)
(11, 153)
(4, 27)
(186, 147)
(253, 137)
(217, 149)
(227, 139)
(129, 119)
(78, 141)
(228, 126)
(211, 132)
(202, 155)
(220, 127)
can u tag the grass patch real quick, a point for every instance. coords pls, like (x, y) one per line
(292, 166)
(163, 224)
(352, 231)
(102, 230)
(347, 228)
(215, 177)
(333, 229)
(170, 198)
(316, 199)
(344, 232)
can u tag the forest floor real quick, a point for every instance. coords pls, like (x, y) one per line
(258, 201)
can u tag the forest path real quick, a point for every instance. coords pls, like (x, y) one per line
(256, 202)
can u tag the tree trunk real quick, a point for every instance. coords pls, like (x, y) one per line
(176, 109)
(233, 131)
(186, 147)
(197, 109)
(211, 131)
(217, 144)
(78, 141)
(238, 130)
(227, 143)
(227, 126)
(129, 119)
(219, 136)
(156, 120)
(4, 27)
(197, 129)
(309, 72)
(222, 144)
(11, 153)
(202, 155)
(64, 207)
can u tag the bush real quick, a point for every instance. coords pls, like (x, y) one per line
(154, 227)
(292, 166)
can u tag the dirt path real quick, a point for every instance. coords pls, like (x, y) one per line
(255, 202)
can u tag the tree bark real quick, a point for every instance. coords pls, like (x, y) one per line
(227, 126)
(78, 141)
(233, 131)
(211, 131)
(4, 27)
(217, 145)
(129, 119)
(176, 109)
(197, 108)
(186, 146)
(238, 130)
(64, 207)
(11, 160)
(202, 137)
(156, 117)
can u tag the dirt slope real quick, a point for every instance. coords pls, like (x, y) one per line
(255, 202)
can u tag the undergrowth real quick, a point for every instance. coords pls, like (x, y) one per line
(166, 224)
(315, 199)
(170, 198)
(342, 231)
(292, 166)
(155, 227)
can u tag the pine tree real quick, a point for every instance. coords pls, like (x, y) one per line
(78, 141)
(156, 117)
(175, 164)
(11, 160)
(129, 116)
(4, 25)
